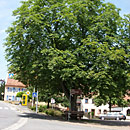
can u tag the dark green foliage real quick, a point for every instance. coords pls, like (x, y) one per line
(19, 94)
(33, 108)
(42, 108)
(69, 44)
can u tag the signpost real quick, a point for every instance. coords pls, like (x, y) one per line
(27, 92)
(35, 94)
(52, 102)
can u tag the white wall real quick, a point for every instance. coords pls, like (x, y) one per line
(91, 106)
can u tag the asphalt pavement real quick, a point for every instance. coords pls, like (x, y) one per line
(8, 115)
(21, 118)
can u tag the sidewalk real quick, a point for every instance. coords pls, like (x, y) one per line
(20, 108)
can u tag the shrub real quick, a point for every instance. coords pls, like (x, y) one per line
(50, 112)
(33, 108)
(58, 113)
(53, 112)
(42, 108)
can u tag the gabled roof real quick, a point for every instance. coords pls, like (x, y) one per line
(13, 83)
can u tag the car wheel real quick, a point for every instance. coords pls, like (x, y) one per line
(117, 118)
(103, 118)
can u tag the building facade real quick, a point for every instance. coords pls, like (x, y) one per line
(87, 105)
(12, 87)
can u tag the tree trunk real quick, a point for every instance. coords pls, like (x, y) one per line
(73, 106)
(72, 99)
(48, 103)
(110, 104)
(73, 103)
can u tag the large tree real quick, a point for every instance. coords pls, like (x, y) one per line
(69, 44)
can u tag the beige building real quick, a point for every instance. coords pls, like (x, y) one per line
(12, 87)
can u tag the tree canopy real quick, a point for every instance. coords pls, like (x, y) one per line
(70, 44)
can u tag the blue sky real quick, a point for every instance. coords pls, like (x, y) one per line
(6, 8)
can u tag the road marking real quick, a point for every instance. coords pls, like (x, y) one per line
(12, 108)
(6, 108)
(17, 125)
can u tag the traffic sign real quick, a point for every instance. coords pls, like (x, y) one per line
(34, 94)
(2, 93)
(76, 91)
(52, 101)
(27, 92)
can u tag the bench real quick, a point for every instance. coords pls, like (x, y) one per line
(74, 114)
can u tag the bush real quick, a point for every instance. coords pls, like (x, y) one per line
(42, 108)
(53, 112)
(50, 112)
(33, 108)
(58, 113)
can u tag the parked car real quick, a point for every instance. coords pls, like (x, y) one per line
(112, 116)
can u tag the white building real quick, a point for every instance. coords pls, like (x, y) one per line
(12, 87)
(87, 105)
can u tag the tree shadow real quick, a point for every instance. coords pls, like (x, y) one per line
(40, 116)
(82, 121)
(107, 122)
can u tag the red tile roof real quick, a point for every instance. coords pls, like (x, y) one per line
(14, 83)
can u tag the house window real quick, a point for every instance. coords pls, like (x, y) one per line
(13, 89)
(99, 111)
(24, 89)
(7, 97)
(19, 90)
(86, 100)
(86, 110)
(105, 111)
(8, 89)
(12, 98)
(16, 90)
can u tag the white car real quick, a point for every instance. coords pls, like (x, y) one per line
(112, 116)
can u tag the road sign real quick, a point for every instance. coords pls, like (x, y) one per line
(34, 94)
(76, 91)
(11, 75)
(2, 93)
(27, 92)
(52, 101)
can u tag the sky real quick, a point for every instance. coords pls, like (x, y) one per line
(6, 18)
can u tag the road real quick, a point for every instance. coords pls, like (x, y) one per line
(8, 115)
(12, 119)
(37, 122)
